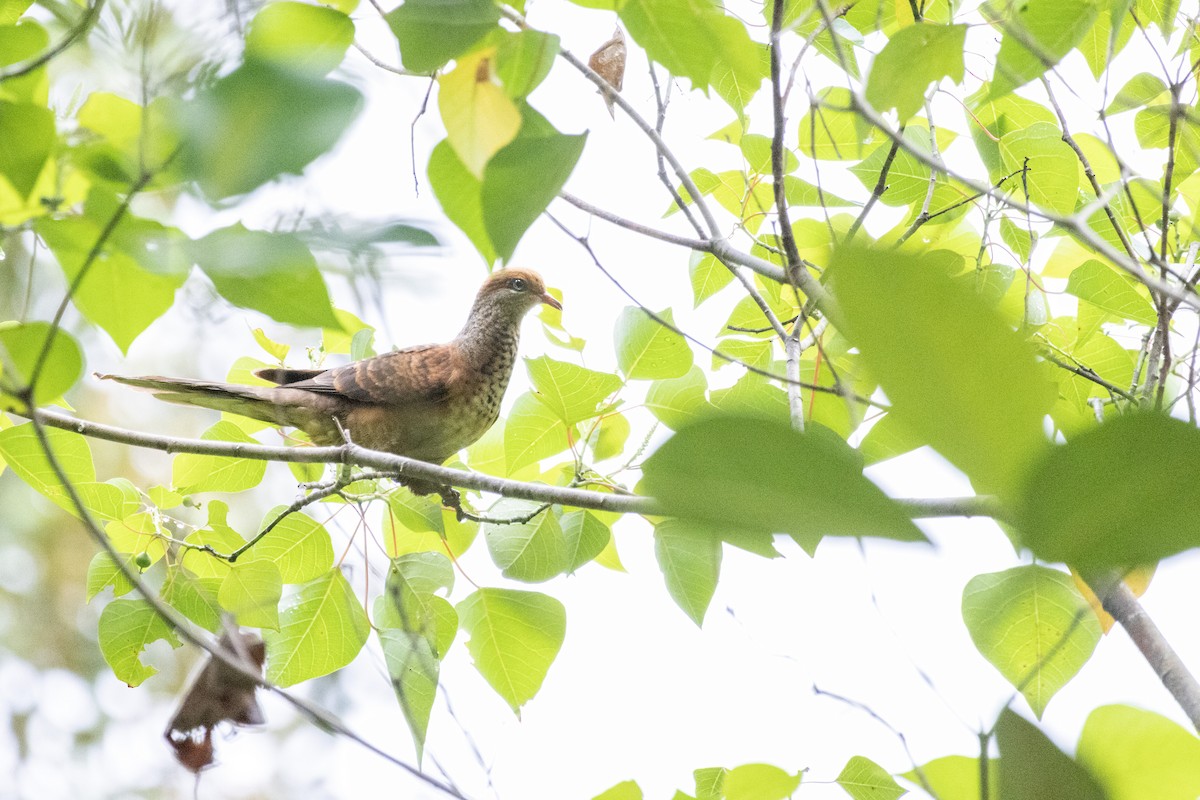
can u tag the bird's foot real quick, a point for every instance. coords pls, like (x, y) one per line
(452, 500)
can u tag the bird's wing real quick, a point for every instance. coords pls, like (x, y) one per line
(421, 374)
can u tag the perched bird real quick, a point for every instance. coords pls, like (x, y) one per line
(426, 402)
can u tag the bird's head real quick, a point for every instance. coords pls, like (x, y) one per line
(514, 292)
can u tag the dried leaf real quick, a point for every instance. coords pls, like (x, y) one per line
(218, 694)
(609, 63)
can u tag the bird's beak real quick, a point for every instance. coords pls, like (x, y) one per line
(549, 300)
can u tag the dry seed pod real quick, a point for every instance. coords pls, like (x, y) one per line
(609, 63)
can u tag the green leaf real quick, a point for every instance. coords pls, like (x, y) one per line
(710, 783)
(251, 592)
(515, 636)
(908, 177)
(524, 59)
(863, 779)
(828, 133)
(759, 782)
(30, 138)
(689, 556)
(695, 39)
(123, 291)
(195, 473)
(572, 392)
(585, 536)
(1101, 286)
(1077, 509)
(753, 396)
(103, 572)
(431, 32)
(676, 402)
(22, 451)
(269, 272)
(1141, 90)
(954, 777)
(532, 552)
(625, 790)
(21, 344)
(296, 36)
(126, 138)
(647, 349)
(957, 376)
(1053, 177)
(11, 10)
(125, 628)
(708, 276)
(195, 598)
(999, 116)
(532, 432)
(411, 603)
(748, 472)
(321, 630)
(1037, 34)
(1032, 768)
(259, 122)
(460, 194)
(413, 668)
(610, 436)
(1139, 755)
(20, 42)
(912, 59)
(756, 149)
(523, 177)
(800, 192)
(299, 547)
(1032, 624)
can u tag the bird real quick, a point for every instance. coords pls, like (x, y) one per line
(425, 402)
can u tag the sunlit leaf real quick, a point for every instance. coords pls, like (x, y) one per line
(197, 473)
(1033, 626)
(913, 58)
(863, 779)
(572, 392)
(1037, 34)
(479, 117)
(1140, 755)
(297, 36)
(321, 629)
(689, 556)
(21, 346)
(515, 637)
(647, 349)
(126, 627)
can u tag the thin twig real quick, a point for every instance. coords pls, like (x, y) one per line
(86, 20)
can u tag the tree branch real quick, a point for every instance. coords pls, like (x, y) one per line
(1124, 607)
(920, 508)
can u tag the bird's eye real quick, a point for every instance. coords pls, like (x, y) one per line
(518, 284)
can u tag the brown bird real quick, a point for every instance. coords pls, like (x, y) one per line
(426, 402)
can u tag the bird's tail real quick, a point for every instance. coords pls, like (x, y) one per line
(256, 402)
